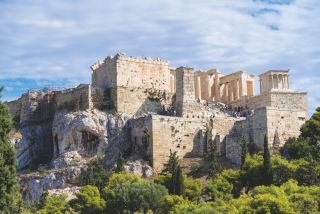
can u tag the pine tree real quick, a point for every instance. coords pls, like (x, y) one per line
(172, 164)
(177, 182)
(244, 151)
(214, 167)
(267, 171)
(9, 190)
(120, 164)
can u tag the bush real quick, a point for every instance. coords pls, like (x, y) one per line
(96, 174)
(88, 201)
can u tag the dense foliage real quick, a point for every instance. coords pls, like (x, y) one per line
(9, 190)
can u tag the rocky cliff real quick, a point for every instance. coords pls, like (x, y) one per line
(71, 139)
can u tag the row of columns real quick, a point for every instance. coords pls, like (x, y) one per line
(274, 82)
(231, 91)
(280, 81)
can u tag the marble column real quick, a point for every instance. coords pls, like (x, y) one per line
(235, 90)
(230, 91)
(198, 87)
(209, 87)
(241, 86)
(171, 83)
(217, 87)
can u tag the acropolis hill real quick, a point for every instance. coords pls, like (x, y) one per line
(146, 107)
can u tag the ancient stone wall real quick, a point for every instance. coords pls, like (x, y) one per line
(278, 124)
(136, 101)
(285, 100)
(137, 85)
(104, 98)
(37, 106)
(15, 109)
(78, 98)
(186, 136)
(143, 85)
(104, 73)
(283, 124)
(141, 136)
(185, 91)
(239, 131)
(143, 73)
(222, 125)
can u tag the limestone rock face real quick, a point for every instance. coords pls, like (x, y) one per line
(139, 167)
(85, 132)
(33, 144)
(91, 132)
(76, 137)
(68, 159)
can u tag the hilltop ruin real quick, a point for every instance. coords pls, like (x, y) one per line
(170, 109)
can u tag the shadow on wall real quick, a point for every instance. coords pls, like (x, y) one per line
(150, 106)
(199, 144)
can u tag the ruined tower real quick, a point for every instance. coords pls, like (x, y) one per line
(185, 92)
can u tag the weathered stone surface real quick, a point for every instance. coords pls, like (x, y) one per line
(33, 144)
(85, 132)
(70, 192)
(139, 167)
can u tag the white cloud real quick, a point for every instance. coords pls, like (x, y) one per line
(61, 38)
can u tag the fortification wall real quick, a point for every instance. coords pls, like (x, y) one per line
(185, 92)
(283, 124)
(186, 136)
(294, 101)
(239, 131)
(104, 98)
(104, 73)
(278, 124)
(287, 100)
(222, 125)
(143, 85)
(143, 73)
(36, 106)
(78, 98)
(15, 109)
(141, 136)
(136, 100)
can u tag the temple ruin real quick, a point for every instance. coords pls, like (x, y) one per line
(180, 109)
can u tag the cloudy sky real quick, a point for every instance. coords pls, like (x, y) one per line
(53, 43)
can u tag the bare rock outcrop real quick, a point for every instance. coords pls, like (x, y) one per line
(70, 192)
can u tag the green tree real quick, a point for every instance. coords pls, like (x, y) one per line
(96, 174)
(214, 167)
(177, 182)
(172, 163)
(244, 151)
(10, 200)
(311, 129)
(130, 197)
(88, 201)
(54, 205)
(120, 164)
(267, 171)
(192, 189)
(251, 174)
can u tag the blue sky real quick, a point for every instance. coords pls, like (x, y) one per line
(54, 43)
